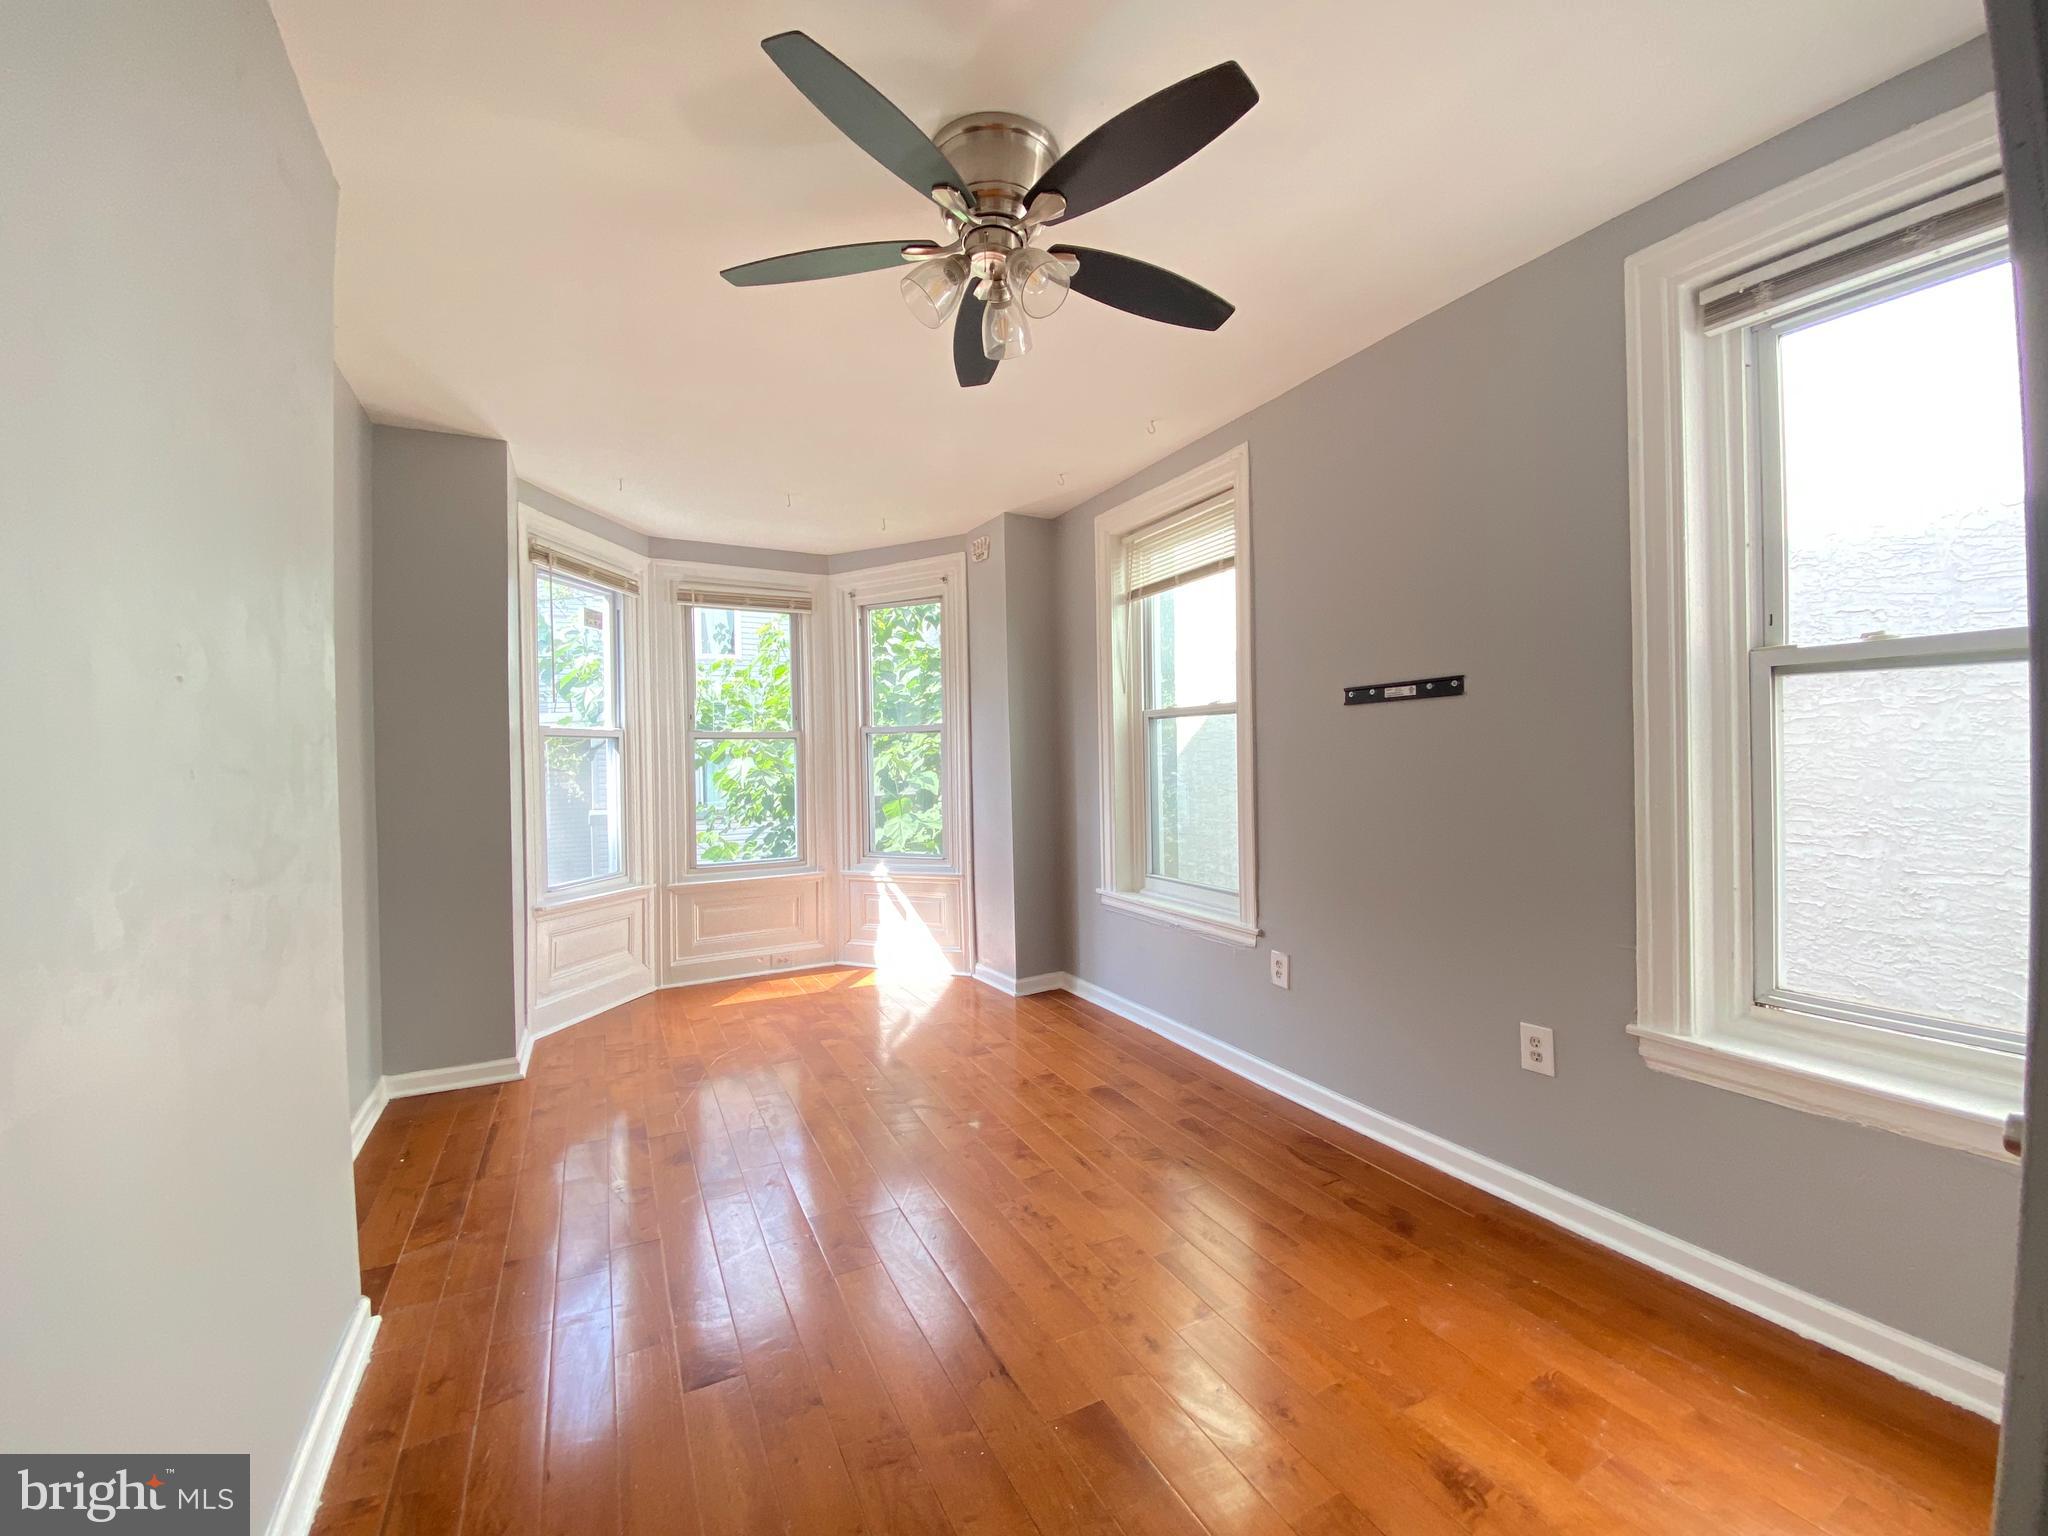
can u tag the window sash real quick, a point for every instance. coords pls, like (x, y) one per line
(870, 730)
(551, 569)
(687, 604)
(863, 616)
(1197, 526)
(1774, 657)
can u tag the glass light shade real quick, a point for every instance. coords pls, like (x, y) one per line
(932, 289)
(1040, 279)
(1005, 333)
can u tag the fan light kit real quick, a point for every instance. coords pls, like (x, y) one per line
(1000, 180)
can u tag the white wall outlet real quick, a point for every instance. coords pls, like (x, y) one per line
(1280, 974)
(1539, 1052)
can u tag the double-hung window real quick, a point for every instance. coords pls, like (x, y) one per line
(1832, 705)
(1175, 685)
(1889, 690)
(902, 729)
(743, 725)
(580, 708)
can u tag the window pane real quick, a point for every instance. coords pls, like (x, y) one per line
(1191, 643)
(1903, 471)
(1193, 776)
(575, 655)
(1903, 839)
(582, 807)
(903, 793)
(742, 661)
(745, 801)
(906, 675)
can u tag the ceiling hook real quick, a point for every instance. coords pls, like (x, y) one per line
(1152, 429)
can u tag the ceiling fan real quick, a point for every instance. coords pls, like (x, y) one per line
(1000, 181)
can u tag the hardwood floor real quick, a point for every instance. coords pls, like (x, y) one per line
(815, 1254)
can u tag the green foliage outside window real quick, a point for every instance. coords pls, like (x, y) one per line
(906, 688)
(746, 789)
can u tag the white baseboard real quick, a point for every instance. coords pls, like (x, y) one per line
(300, 1499)
(588, 1003)
(602, 1000)
(1953, 1377)
(479, 1074)
(1020, 986)
(366, 1115)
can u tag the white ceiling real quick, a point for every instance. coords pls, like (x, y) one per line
(537, 197)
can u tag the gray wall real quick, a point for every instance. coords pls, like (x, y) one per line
(357, 743)
(179, 1230)
(450, 925)
(988, 709)
(1455, 498)
(1036, 789)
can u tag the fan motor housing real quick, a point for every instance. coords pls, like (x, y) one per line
(1000, 156)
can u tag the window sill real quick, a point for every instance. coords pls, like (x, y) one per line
(1961, 1103)
(598, 895)
(737, 873)
(1210, 925)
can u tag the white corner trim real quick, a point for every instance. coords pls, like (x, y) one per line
(1020, 986)
(300, 1499)
(1950, 1376)
(405, 1085)
(365, 1120)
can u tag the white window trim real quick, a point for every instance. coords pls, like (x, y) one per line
(1693, 586)
(814, 805)
(635, 704)
(943, 578)
(1124, 886)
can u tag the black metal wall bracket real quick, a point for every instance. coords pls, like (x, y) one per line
(1450, 687)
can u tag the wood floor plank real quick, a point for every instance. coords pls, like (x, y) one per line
(828, 1252)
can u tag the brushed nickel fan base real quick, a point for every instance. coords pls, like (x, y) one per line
(1000, 157)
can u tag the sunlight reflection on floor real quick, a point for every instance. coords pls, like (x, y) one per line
(910, 967)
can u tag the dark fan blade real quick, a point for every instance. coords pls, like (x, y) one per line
(826, 261)
(971, 365)
(1148, 140)
(861, 112)
(1143, 289)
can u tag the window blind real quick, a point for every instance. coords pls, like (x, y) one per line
(566, 564)
(774, 602)
(1186, 547)
(1965, 218)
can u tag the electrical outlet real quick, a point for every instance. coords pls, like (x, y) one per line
(1539, 1052)
(1280, 975)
